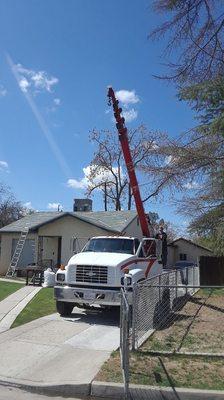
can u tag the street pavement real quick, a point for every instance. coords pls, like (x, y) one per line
(9, 393)
(55, 351)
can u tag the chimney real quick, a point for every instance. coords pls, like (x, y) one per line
(82, 205)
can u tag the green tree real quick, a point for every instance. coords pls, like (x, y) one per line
(194, 30)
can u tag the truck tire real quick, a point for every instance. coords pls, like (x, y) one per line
(64, 309)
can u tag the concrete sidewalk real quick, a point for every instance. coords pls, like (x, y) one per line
(58, 355)
(12, 305)
(15, 280)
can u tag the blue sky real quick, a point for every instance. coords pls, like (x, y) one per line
(57, 58)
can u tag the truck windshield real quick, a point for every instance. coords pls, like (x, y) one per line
(110, 245)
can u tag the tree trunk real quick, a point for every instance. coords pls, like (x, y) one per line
(105, 196)
(129, 196)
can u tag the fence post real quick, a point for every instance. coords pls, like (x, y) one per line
(134, 305)
(159, 288)
(124, 341)
(176, 290)
(186, 283)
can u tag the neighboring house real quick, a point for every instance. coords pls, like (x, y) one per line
(55, 236)
(185, 250)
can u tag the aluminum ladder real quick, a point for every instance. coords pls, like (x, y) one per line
(17, 252)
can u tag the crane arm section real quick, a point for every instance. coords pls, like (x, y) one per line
(123, 137)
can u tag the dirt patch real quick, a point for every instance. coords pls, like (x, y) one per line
(198, 327)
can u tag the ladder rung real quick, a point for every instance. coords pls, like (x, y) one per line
(18, 251)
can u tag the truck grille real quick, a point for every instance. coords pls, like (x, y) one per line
(91, 274)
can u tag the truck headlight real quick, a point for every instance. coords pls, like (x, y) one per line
(126, 280)
(60, 277)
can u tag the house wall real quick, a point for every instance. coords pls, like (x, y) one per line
(69, 228)
(133, 229)
(6, 249)
(171, 256)
(192, 251)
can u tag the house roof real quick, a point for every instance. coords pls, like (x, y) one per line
(112, 221)
(190, 242)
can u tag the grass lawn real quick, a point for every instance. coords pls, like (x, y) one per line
(42, 304)
(198, 328)
(7, 288)
(178, 371)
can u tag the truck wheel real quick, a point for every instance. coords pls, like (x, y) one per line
(64, 309)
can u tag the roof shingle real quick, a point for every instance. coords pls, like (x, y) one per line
(115, 221)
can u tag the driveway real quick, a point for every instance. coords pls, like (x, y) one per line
(61, 355)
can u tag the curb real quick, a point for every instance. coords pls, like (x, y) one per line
(66, 389)
(111, 390)
(116, 391)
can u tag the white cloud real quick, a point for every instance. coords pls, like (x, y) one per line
(28, 204)
(57, 102)
(168, 160)
(102, 176)
(37, 80)
(4, 166)
(24, 84)
(3, 91)
(127, 96)
(56, 150)
(192, 185)
(150, 145)
(130, 115)
(75, 184)
(54, 206)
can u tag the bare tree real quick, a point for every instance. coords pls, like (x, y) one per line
(10, 208)
(195, 33)
(108, 171)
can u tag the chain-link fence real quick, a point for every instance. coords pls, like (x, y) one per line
(156, 299)
(176, 334)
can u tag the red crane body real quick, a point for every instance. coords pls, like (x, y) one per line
(123, 137)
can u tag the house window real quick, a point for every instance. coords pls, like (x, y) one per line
(183, 257)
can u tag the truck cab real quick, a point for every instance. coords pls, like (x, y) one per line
(96, 274)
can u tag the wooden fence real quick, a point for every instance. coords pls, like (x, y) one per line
(212, 271)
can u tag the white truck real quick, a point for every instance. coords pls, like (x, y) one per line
(96, 275)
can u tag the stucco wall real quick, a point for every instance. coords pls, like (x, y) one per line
(133, 229)
(193, 252)
(6, 249)
(69, 228)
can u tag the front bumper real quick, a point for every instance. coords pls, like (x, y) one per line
(104, 297)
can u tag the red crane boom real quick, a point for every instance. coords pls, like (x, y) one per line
(123, 137)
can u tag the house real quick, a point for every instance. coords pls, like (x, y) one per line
(53, 237)
(182, 249)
